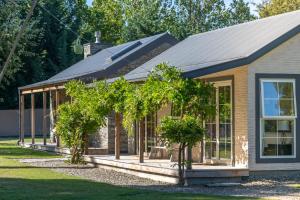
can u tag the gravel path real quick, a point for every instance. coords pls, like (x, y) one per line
(270, 188)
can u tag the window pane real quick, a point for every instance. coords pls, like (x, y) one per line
(285, 146)
(228, 132)
(207, 150)
(269, 146)
(278, 138)
(286, 90)
(271, 107)
(228, 150)
(222, 134)
(222, 151)
(270, 128)
(224, 95)
(225, 113)
(285, 128)
(270, 90)
(211, 131)
(214, 149)
(286, 107)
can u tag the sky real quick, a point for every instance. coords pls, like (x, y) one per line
(89, 2)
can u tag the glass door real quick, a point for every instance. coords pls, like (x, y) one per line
(218, 144)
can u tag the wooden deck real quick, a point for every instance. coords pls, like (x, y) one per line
(162, 170)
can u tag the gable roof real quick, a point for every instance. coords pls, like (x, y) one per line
(108, 60)
(225, 48)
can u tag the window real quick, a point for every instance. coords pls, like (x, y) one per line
(278, 118)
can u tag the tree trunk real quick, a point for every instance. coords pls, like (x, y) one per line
(179, 162)
(86, 144)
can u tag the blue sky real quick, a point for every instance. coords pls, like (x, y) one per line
(89, 2)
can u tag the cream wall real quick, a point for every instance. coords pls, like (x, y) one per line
(240, 81)
(284, 59)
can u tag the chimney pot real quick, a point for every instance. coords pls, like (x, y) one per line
(97, 36)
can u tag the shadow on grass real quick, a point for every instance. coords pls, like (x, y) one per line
(19, 152)
(47, 167)
(16, 188)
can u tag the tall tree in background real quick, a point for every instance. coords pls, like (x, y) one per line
(105, 16)
(11, 17)
(180, 17)
(275, 7)
(45, 48)
(145, 18)
(239, 12)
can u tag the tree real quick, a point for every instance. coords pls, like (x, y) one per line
(82, 116)
(180, 17)
(45, 47)
(239, 12)
(12, 16)
(144, 18)
(185, 132)
(274, 7)
(105, 16)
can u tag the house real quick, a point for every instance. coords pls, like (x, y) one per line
(100, 61)
(255, 68)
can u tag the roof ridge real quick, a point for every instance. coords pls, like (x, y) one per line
(244, 23)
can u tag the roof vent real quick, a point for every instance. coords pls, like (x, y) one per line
(125, 50)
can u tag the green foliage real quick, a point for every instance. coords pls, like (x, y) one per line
(81, 117)
(186, 131)
(239, 12)
(11, 18)
(105, 16)
(274, 7)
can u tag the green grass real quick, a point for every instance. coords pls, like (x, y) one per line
(297, 186)
(21, 181)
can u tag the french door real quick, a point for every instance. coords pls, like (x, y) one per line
(218, 141)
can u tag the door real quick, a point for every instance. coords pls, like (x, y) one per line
(218, 142)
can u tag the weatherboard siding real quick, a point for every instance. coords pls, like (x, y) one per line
(285, 59)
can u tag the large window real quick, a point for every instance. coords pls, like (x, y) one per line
(278, 118)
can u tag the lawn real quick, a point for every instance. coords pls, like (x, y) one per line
(20, 181)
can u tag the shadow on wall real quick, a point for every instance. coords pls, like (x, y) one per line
(9, 122)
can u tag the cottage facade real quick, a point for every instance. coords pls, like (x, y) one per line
(255, 68)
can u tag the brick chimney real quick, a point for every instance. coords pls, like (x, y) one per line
(92, 48)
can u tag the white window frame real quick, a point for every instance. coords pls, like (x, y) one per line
(264, 117)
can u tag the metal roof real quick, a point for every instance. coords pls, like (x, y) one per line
(225, 48)
(100, 64)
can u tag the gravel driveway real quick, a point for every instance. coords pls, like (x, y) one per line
(271, 188)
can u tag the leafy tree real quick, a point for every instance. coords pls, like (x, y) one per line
(239, 12)
(45, 48)
(185, 132)
(11, 17)
(105, 16)
(144, 18)
(274, 7)
(82, 116)
(180, 17)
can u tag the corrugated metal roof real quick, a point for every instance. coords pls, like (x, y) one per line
(244, 42)
(100, 61)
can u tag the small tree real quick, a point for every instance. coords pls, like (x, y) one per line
(81, 117)
(185, 132)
